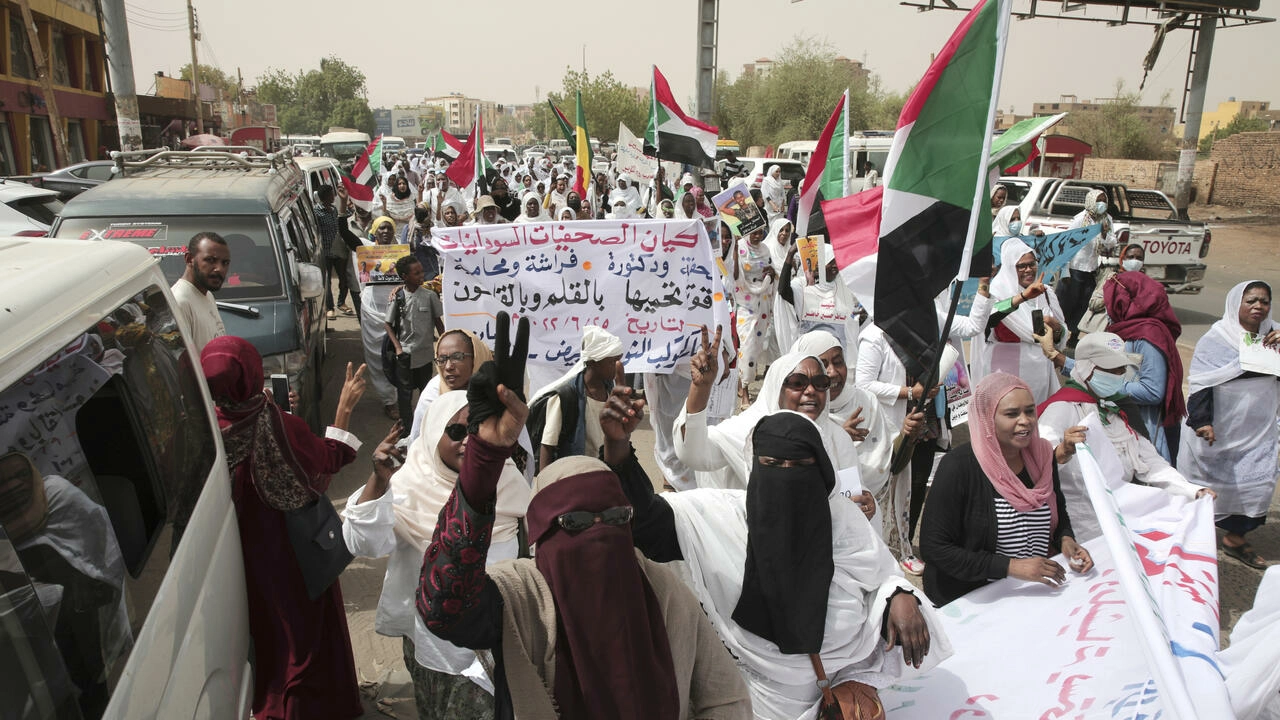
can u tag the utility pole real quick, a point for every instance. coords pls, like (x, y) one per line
(195, 66)
(60, 156)
(708, 33)
(1202, 50)
(115, 36)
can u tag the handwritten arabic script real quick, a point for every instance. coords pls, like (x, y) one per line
(650, 282)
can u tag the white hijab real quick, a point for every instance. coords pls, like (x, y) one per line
(1217, 356)
(772, 188)
(426, 482)
(778, 253)
(1000, 226)
(524, 212)
(1005, 285)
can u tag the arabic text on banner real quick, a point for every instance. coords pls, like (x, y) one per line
(652, 283)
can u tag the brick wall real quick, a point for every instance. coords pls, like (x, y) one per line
(1155, 174)
(1248, 169)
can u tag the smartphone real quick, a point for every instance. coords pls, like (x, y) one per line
(280, 391)
(1037, 322)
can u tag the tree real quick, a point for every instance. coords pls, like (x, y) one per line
(795, 98)
(605, 101)
(225, 83)
(311, 101)
(1238, 124)
(1118, 130)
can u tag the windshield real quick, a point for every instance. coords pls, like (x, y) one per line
(41, 208)
(342, 150)
(255, 270)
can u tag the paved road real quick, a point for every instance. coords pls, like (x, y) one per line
(1240, 251)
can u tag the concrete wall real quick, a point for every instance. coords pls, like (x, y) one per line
(1155, 174)
(1248, 169)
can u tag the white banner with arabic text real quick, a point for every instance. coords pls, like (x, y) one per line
(652, 283)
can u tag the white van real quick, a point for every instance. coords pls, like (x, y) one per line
(319, 171)
(344, 146)
(392, 143)
(798, 150)
(122, 590)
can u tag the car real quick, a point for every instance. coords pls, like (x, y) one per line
(127, 599)
(75, 179)
(535, 151)
(27, 211)
(274, 293)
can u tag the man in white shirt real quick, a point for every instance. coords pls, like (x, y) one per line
(208, 259)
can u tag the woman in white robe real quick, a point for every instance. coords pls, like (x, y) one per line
(753, 293)
(1230, 441)
(774, 192)
(826, 303)
(1008, 345)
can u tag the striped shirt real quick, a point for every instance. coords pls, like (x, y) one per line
(1021, 534)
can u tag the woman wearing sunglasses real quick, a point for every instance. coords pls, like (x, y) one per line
(790, 574)
(394, 515)
(1010, 344)
(586, 629)
(795, 381)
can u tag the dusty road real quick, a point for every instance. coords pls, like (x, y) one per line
(1242, 249)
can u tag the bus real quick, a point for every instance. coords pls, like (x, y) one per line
(344, 146)
(312, 142)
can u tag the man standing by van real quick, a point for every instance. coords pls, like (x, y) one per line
(208, 259)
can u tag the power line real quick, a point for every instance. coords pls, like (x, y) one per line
(159, 14)
(157, 28)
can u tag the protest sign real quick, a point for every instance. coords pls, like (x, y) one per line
(1053, 251)
(738, 210)
(376, 264)
(652, 283)
(1136, 637)
(632, 160)
(807, 249)
(1256, 357)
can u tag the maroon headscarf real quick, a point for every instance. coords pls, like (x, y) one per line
(254, 430)
(613, 658)
(1139, 310)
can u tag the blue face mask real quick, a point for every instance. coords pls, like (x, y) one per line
(1131, 265)
(1100, 208)
(1104, 384)
(1015, 227)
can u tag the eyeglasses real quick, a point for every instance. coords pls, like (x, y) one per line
(455, 432)
(579, 520)
(798, 382)
(453, 357)
(1020, 267)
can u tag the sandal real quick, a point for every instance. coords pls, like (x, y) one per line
(1245, 554)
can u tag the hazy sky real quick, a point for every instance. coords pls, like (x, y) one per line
(514, 51)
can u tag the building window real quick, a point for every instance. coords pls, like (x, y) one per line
(7, 164)
(58, 49)
(42, 159)
(20, 62)
(75, 142)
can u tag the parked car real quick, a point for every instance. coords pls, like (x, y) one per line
(273, 294)
(1174, 248)
(75, 179)
(123, 592)
(26, 211)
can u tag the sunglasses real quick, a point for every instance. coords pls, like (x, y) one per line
(579, 520)
(456, 431)
(798, 382)
(453, 357)
(1023, 267)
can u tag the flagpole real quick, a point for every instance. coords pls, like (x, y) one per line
(844, 143)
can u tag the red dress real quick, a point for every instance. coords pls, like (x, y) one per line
(303, 663)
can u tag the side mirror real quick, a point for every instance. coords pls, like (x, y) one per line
(310, 281)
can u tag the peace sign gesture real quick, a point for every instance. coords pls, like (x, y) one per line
(706, 362)
(496, 390)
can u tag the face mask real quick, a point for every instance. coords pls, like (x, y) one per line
(1131, 265)
(1100, 208)
(1104, 384)
(1015, 227)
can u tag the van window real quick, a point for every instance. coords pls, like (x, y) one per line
(103, 454)
(255, 267)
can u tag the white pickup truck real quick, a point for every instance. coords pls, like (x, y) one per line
(1174, 248)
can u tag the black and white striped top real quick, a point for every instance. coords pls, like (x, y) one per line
(1021, 534)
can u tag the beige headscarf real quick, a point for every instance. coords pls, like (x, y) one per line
(479, 351)
(425, 482)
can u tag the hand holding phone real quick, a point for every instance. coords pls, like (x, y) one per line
(280, 391)
(1037, 321)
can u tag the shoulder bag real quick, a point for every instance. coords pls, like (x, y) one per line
(315, 531)
(850, 700)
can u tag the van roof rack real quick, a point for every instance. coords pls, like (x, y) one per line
(210, 157)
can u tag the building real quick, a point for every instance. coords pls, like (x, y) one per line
(382, 121)
(1230, 110)
(1160, 117)
(457, 112)
(71, 41)
(1006, 120)
(761, 67)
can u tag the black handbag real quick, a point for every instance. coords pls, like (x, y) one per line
(315, 531)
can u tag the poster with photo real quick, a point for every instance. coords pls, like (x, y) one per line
(738, 210)
(376, 264)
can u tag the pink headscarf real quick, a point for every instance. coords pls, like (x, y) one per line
(701, 205)
(1038, 456)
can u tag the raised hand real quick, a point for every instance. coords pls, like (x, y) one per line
(496, 390)
(1035, 289)
(857, 434)
(623, 411)
(706, 362)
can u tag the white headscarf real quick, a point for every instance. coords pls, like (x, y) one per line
(524, 212)
(426, 482)
(778, 253)
(1005, 285)
(619, 207)
(773, 189)
(1000, 226)
(1217, 356)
